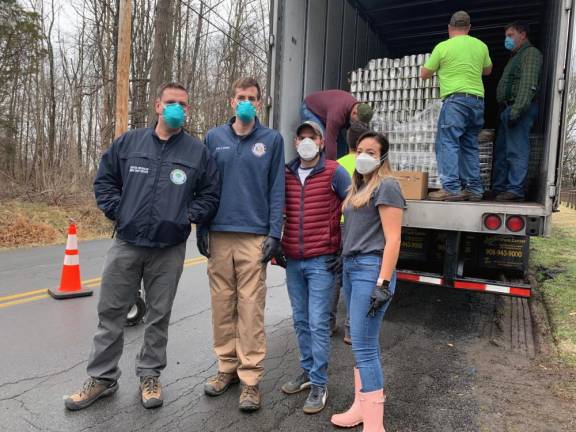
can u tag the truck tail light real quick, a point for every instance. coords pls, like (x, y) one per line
(515, 223)
(492, 221)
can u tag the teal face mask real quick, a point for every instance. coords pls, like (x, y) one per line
(509, 43)
(245, 111)
(174, 115)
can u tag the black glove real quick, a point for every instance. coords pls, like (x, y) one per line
(280, 260)
(270, 249)
(379, 297)
(202, 242)
(512, 123)
(334, 264)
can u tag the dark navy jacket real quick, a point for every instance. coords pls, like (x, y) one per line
(252, 176)
(154, 190)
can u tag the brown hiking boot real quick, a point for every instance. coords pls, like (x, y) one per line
(92, 390)
(471, 196)
(250, 399)
(508, 196)
(442, 195)
(151, 392)
(218, 384)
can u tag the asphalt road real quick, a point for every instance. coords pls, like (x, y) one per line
(44, 344)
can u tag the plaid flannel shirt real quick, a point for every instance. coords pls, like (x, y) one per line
(519, 82)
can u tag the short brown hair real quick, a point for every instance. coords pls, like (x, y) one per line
(169, 85)
(244, 83)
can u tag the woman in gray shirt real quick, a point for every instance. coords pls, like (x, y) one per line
(371, 244)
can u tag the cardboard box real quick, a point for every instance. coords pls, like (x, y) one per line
(414, 184)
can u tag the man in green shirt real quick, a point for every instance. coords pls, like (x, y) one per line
(460, 62)
(516, 95)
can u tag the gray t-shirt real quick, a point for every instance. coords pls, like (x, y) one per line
(363, 233)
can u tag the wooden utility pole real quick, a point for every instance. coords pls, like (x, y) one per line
(123, 66)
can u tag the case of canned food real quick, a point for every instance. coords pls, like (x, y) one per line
(406, 109)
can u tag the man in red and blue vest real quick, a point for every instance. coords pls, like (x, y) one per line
(315, 189)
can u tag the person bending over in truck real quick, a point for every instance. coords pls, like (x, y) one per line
(460, 63)
(241, 239)
(373, 212)
(334, 110)
(517, 95)
(356, 129)
(153, 183)
(311, 243)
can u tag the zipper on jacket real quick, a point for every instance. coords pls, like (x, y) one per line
(155, 186)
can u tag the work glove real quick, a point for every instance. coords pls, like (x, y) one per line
(512, 123)
(270, 249)
(202, 242)
(280, 260)
(334, 264)
(379, 297)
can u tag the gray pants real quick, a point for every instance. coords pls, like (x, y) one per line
(126, 266)
(335, 301)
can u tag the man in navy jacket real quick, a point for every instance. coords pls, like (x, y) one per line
(243, 236)
(153, 183)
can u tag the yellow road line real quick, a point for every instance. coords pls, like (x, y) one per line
(25, 300)
(24, 294)
(11, 300)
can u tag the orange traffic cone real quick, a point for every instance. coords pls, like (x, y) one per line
(70, 285)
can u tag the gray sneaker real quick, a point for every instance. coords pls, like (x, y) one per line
(302, 382)
(316, 400)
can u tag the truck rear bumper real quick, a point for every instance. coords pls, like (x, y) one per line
(469, 284)
(469, 216)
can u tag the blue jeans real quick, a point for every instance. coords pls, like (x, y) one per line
(310, 287)
(307, 115)
(457, 151)
(360, 274)
(512, 152)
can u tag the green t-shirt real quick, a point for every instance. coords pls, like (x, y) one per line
(459, 62)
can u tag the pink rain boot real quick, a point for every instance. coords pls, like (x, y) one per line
(352, 417)
(373, 411)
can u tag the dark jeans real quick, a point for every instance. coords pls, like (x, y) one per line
(457, 150)
(360, 276)
(512, 152)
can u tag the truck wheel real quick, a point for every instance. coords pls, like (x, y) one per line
(136, 313)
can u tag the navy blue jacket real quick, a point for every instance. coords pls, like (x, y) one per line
(252, 178)
(154, 190)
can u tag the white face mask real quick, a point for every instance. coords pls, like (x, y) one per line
(307, 149)
(365, 163)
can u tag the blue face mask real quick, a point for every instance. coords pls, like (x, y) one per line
(174, 115)
(509, 43)
(245, 111)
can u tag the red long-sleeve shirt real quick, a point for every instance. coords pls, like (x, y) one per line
(333, 107)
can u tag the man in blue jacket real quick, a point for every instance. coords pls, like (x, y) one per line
(243, 236)
(153, 183)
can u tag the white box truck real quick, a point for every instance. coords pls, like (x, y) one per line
(314, 45)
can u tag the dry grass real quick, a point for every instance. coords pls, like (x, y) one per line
(24, 224)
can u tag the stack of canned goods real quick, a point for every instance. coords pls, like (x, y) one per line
(406, 109)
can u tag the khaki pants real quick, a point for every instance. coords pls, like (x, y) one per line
(238, 292)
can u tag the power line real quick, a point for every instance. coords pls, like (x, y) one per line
(211, 9)
(224, 32)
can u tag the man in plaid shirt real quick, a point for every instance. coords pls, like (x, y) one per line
(516, 95)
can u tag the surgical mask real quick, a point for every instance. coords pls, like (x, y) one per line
(509, 43)
(174, 115)
(307, 149)
(245, 111)
(365, 164)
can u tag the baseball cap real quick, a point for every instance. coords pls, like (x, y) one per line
(309, 123)
(460, 19)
